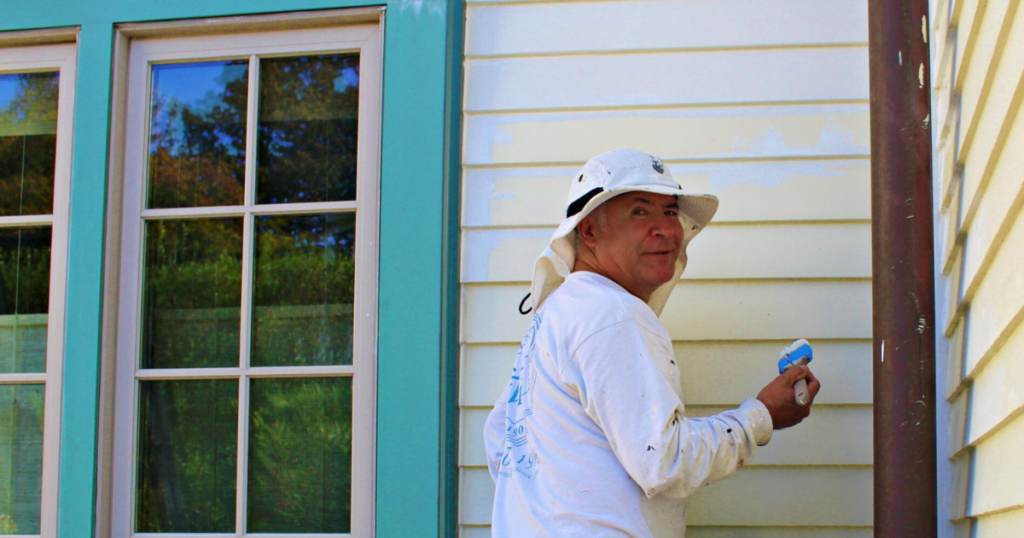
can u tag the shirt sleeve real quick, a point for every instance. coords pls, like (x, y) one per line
(494, 435)
(623, 390)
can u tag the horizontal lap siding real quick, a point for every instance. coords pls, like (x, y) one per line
(764, 105)
(714, 372)
(980, 235)
(708, 135)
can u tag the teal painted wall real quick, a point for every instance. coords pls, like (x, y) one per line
(417, 181)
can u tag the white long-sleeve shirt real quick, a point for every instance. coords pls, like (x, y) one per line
(589, 438)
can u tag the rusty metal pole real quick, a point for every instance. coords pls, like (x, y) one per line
(902, 270)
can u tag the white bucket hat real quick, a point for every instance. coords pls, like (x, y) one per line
(601, 179)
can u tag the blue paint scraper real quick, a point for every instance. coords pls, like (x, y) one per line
(799, 353)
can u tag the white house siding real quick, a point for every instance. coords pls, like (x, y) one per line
(978, 76)
(764, 104)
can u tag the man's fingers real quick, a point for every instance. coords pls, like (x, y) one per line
(813, 385)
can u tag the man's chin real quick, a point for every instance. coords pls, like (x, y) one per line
(663, 276)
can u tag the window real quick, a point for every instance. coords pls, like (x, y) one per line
(36, 100)
(246, 332)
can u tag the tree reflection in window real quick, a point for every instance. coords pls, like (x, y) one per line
(197, 134)
(307, 129)
(300, 429)
(28, 143)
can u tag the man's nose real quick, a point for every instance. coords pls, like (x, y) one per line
(668, 226)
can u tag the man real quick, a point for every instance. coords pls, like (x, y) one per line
(589, 437)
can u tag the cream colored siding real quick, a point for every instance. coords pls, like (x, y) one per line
(763, 104)
(978, 86)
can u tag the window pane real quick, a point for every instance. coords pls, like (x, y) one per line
(28, 143)
(300, 455)
(187, 456)
(307, 129)
(197, 134)
(305, 269)
(193, 287)
(21, 458)
(24, 299)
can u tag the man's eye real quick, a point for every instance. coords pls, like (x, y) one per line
(672, 212)
(639, 212)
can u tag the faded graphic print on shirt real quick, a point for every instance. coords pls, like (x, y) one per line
(520, 456)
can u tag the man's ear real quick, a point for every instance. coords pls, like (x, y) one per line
(587, 230)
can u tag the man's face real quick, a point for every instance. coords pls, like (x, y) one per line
(636, 239)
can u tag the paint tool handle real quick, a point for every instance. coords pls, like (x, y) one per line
(800, 389)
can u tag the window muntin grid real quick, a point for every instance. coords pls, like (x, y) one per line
(36, 111)
(357, 236)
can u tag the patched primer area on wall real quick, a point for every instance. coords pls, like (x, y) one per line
(764, 105)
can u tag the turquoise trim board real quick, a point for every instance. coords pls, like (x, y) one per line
(419, 200)
(450, 292)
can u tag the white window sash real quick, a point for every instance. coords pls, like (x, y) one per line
(142, 53)
(62, 58)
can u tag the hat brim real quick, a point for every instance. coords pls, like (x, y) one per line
(698, 208)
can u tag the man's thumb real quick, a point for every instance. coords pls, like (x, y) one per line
(795, 374)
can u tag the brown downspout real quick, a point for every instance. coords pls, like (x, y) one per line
(902, 270)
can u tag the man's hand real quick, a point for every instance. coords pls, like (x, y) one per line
(778, 397)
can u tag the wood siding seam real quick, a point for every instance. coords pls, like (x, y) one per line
(954, 298)
(964, 55)
(947, 53)
(714, 224)
(995, 429)
(959, 412)
(994, 247)
(996, 511)
(661, 50)
(997, 148)
(940, 22)
(997, 344)
(955, 235)
(779, 466)
(963, 471)
(952, 169)
(474, 407)
(956, 8)
(954, 366)
(949, 124)
(663, 106)
(782, 342)
(991, 69)
(682, 160)
(767, 280)
(998, 238)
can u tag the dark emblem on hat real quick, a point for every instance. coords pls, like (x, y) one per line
(658, 166)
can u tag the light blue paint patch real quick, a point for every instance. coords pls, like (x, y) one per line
(481, 244)
(481, 189)
(502, 138)
(766, 175)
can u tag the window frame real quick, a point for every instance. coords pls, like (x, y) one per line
(140, 53)
(60, 57)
